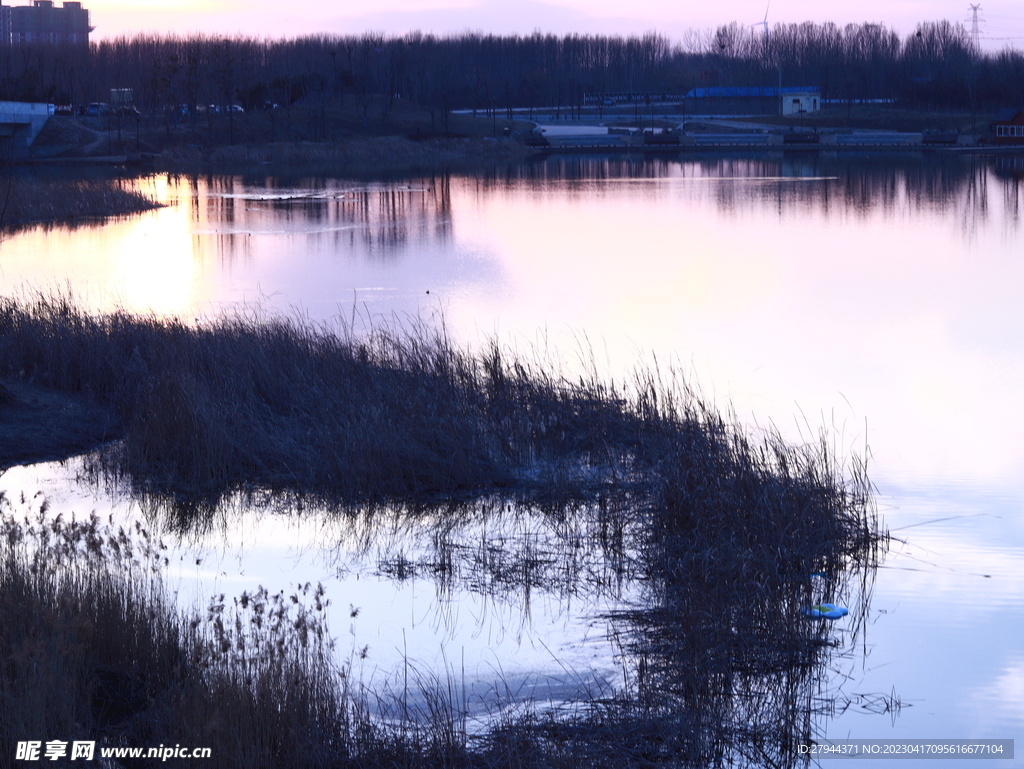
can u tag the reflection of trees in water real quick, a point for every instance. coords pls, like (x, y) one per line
(833, 183)
(379, 220)
(383, 220)
(1009, 167)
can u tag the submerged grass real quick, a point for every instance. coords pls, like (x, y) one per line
(726, 531)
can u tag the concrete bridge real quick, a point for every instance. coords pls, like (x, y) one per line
(21, 122)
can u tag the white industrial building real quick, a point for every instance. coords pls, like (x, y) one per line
(795, 102)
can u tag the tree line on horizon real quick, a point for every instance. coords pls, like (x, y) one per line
(936, 66)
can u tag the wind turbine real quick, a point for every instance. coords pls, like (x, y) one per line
(764, 24)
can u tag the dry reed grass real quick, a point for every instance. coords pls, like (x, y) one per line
(725, 530)
(94, 648)
(25, 202)
(404, 415)
(242, 401)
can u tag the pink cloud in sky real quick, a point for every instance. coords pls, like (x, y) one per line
(1003, 19)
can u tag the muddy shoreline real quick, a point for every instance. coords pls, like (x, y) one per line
(40, 424)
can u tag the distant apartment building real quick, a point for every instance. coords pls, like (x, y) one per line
(43, 22)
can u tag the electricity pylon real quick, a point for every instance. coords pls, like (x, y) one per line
(975, 31)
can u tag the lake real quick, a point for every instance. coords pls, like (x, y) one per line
(873, 297)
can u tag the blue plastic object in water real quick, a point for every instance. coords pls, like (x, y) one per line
(826, 611)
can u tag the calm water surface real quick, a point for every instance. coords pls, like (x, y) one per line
(874, 297)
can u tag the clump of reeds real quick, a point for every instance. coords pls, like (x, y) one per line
(86, 635)
(246, 402)
(25, 201)
(93, 648)
(724, 667)
(260, 401)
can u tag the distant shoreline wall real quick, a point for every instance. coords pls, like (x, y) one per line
(21, 122)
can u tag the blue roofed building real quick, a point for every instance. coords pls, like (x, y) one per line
(758, 100)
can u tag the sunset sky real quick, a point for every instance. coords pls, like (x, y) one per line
(1004, 19)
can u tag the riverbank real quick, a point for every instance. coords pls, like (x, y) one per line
(40, 424)
(352, 137)
(356, 157)
(211, 409)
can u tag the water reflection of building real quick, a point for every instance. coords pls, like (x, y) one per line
(1011, 166)
(44, 22)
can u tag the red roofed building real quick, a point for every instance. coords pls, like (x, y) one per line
(1008, 126)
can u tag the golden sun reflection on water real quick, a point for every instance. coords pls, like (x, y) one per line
(143, 263)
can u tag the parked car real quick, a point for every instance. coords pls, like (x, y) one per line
(665, 137)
